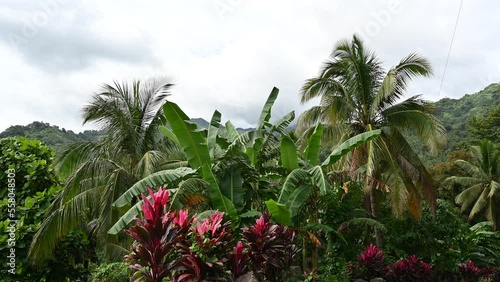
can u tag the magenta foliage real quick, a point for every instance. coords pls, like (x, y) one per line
(205, 250)
(271, 249)
(153, 255)
(491, 273)
(370, 264)
(470, 272)
(409, 270)
(239, 259)
(173, 245)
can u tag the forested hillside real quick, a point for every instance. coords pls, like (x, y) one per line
(458, 115)
(51, 135)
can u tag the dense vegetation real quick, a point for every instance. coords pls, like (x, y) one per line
(36, 187)
(352, 193)
(472, 117)
(51, 135)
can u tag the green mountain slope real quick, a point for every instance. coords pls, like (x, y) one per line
(51, 135)
(456, 114)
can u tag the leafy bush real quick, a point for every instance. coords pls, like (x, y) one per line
(110, 272)
(469, 272)
(171, 244)
(205, 250)
(270, 249)
(154, 256)
(36, 186)
(411, 269)
(444, 236)
(370, 264)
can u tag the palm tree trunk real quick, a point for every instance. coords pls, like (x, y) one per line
(373, 203)
(305, 267)
(494, 214)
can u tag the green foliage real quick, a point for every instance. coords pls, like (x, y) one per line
(97, 173)
(444, 237)
(482, 245)
(487, 127)
(110, 272)
(36, 187)
(441, 171)
(464, 119)
(481, 183)
(32, 162)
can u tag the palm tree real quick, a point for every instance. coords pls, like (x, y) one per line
(357, 95)
(97, 173)
(483, 183)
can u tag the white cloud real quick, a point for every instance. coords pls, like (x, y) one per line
(227, 59)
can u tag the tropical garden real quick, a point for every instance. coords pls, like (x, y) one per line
(347, 191)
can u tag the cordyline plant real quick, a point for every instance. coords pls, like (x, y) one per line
(154, 255)
(411, 269)
(205, 250)
(370, 264)
(270, 250)
(173, 245)
(469, 272)
(491, 274)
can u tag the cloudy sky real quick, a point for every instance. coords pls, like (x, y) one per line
(225, 54)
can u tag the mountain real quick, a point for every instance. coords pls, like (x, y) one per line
(57, 137)
(51, 135)
(456, 115)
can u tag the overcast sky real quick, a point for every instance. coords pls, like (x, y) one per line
(225, 54)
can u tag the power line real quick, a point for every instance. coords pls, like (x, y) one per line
(449, 51)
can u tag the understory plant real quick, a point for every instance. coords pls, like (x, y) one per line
(410, 269)
(269, 250)
(370, 264)
(174, 245)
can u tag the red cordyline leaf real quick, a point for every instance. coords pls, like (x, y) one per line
(410, 269)
(181, 220)
(211, 223)
(216, 220)
(239, 259)
(154, 209)
(371, 254)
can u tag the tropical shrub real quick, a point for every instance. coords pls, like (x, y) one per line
(469, 272)
(445, 238)
(110, 272)
(411, 269)
(154, 255)
(370, 264)
(270, 249)
(173, 245)
(36, 186)
(205, 250)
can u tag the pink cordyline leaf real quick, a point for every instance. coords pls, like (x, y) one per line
(182, 218)
(216, 220)
(154, 209)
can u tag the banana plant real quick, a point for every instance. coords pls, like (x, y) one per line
(224, 167)
(307, 180)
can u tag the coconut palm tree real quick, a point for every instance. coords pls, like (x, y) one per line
(97, 173)
(357, 95)
(482, 192)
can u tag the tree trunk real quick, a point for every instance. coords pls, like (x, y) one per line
(373, 207)
(305, 267)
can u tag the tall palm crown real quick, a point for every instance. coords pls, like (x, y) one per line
(357, 95)
(482, 192)
(97, 173)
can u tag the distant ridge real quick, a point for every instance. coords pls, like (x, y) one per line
(57, 137)
(454, 113)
